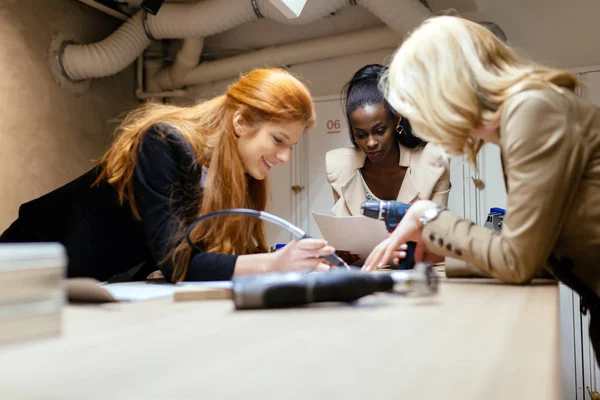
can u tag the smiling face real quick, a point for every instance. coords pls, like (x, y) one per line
(264, 146)
(373, 130)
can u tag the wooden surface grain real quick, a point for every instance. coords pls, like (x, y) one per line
(477, 339)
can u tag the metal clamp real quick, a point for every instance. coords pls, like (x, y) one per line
(146, 25)
(259, 15)
(59, 63)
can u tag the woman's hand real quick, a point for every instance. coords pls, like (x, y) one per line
(408, 230)
(301, 255)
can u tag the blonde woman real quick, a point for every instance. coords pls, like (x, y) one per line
(168, 165)
(461, 87)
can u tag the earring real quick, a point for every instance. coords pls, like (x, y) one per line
(399, 128)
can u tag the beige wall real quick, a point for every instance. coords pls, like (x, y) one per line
(48, 135)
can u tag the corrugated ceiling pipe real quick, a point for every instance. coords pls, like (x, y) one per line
(176, 21)
(399, 18)
(107, 57)
(120, 49)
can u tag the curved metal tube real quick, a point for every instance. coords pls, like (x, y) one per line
(265, 216)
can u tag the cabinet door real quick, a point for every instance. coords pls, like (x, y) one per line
(301, 186)
(579, 367)
(464, 195)
(466, 199)
(280, 201)
(331, 132)
(491, 173)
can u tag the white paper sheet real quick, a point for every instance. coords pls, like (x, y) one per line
(357, 234)
(141, 291)
(210, 284)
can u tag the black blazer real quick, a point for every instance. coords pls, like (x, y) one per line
(102, 238)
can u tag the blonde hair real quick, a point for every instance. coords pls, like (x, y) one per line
(262, 95)
(452, 75)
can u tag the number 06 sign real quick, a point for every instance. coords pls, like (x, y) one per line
(333, 126)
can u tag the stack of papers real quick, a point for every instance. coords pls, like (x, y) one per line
(32, 293)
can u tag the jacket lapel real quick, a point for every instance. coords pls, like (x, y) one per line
(354, 193)
(409, 192)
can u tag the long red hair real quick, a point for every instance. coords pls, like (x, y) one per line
(262, 95)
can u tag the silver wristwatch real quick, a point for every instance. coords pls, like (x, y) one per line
(430, 214)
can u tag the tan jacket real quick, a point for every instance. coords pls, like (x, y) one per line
(550, 146)
(427, 177)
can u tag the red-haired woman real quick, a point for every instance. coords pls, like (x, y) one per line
(168, 165)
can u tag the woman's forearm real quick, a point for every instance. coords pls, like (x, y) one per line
(253, 264)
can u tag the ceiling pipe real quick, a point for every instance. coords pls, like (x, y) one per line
(106, 10)
(174, 76)
(111, 55)
(295, 53)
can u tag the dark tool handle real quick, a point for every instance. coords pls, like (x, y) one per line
(294, 289)
(336, 286)
(408, 262)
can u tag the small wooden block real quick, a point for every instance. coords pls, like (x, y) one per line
(202, 293)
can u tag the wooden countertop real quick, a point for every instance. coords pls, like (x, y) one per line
(477, 339)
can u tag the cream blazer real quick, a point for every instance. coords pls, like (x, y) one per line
(550, 146)
(427, 177)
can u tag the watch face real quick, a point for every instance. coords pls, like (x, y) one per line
(431, 213)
